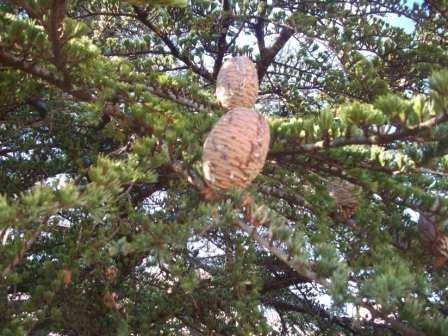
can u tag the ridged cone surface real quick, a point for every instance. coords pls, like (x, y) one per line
(435, 241)
(236, 148)
(237, 83)
(344, 197)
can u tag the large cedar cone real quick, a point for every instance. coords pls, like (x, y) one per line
(433, 239)
(236, 149)
(237, 83)
(343, 193)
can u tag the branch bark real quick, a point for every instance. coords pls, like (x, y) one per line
(302, 270)
(226, 19)
(267, 55)
(55, 33)
(143, 18)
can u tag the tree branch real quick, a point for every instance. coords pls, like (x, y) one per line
(368, 140)
(394, 324)
(267, 55)
(58, 82)
(25, 247)
(346, 322)
(226, 18)
(112, 14)
(44, 74)
(143, 18)
(55, 33)
(299, 268)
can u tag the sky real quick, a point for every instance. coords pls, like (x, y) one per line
(401, 21)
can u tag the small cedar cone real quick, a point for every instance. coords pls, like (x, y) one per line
(235, 150)
(344, 197)
(66, 276)
(111, 273)
(110, 300)
(237, 83)
(433, 239)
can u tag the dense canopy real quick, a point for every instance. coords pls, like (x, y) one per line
(107, 226)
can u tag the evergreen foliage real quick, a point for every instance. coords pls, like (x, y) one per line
(107, 226)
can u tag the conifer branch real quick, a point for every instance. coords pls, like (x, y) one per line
(81, 95)
(251, 230)
(226, 19)
(44, 74)
(155, 219)
(25, 247)
(301, 269)
(183, 100)
(403, 134)
(104, 13)
(143, 18)
(267, 55)
(55, 34)
(352, 325)
(438, 205)
(394, 323)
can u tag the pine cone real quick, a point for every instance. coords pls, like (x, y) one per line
(236, 149)
(344, 197)
(237, 83)
(66, 276)
(434, 241)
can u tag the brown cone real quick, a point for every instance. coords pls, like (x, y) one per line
(433, 239)
(344, 197)
(237, 83)
(236, 149)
